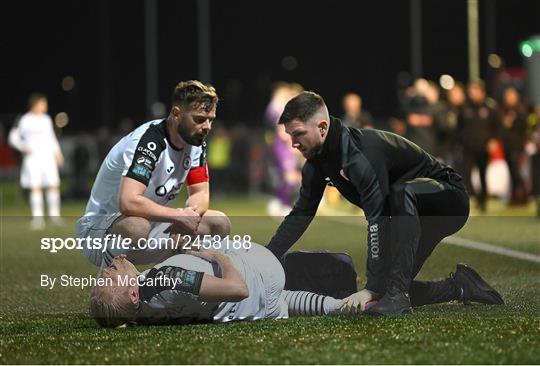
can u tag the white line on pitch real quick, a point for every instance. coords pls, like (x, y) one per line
(462, 242)
(467, 243)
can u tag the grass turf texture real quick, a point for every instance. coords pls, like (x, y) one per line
(38, 325)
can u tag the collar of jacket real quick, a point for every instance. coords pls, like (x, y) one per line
(332, 144)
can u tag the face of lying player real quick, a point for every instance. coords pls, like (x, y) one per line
(120, 268)
(307, 137)
(194, 124)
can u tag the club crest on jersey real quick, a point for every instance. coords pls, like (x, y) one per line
(186, 163)
(147, 152)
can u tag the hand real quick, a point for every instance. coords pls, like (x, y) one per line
(356, 303)
(209, 254)
(186, 223)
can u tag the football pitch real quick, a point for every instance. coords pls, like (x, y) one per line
(40, 325)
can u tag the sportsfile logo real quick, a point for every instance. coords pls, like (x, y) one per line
(374, 241)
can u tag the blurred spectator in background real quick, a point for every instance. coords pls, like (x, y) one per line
(81, 174)
(354, 115)
(443, 130)
(287, 161)
(219, 159)
(476, 136)
(34, 137)
(533, 149)
(8, 160)
(454, 113)
(239, 166)
(513, 135)
(421, 128)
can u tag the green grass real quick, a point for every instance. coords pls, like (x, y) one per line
(38, 325)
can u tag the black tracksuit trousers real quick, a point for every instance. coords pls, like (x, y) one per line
(423, 212)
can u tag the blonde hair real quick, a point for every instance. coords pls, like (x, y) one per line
(113, 312)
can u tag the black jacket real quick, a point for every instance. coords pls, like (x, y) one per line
(373, 161)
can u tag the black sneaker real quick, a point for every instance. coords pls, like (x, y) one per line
(473, 288)
(391, 304)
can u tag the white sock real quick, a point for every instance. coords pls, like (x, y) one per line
(303, 303)
(36, 203)
(53, 201)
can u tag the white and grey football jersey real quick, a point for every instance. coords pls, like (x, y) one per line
(179, 303)
(148, 156)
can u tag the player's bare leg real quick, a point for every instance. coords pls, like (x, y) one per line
(53, 204)
(36, 206)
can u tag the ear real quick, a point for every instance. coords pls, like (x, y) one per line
(134, 295)
(175, 110)
(323, 127)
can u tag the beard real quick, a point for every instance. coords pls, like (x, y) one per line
(191, 138)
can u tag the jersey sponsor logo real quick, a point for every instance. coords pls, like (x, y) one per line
(141, 171)
(374, 241)
(186, 163)
(149, 164)
(180, 279)
(161, 191)
(151, 145)
(147, 152)
(170, 169)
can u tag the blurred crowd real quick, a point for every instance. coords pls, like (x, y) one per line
(492, 140)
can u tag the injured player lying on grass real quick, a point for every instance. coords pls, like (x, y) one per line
(241, 285)
(200, 287)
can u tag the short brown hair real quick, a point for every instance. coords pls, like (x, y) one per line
(302, 107)
(193, 94)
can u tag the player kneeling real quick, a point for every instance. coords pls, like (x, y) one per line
(202, 286)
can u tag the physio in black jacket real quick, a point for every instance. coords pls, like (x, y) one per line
(411, 202)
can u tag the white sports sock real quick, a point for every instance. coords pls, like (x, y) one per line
(36, 203)
(303, 303)
(53, 201)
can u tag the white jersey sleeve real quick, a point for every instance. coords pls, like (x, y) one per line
(34, 133)
(148, 156)
(142, 154)
(15, 139)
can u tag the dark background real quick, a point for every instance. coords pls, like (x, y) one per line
(340, 46)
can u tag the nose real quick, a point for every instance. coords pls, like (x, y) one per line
(207, 125)
(294, 143)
